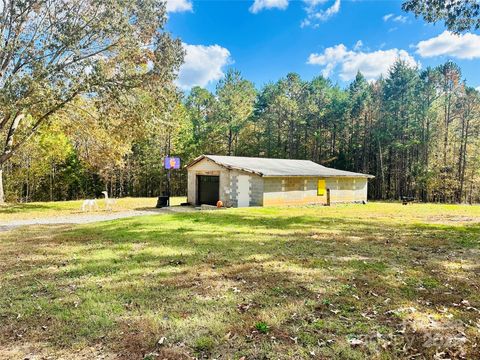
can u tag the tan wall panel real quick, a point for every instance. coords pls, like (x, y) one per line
(291, 191)
(343, 190)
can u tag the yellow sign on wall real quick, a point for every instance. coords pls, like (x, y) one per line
(321, 188)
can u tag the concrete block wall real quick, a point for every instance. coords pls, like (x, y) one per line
(303, 190)
(291, 191)
(256, 190)
(228, 191)
(233, 183)
(346, 190)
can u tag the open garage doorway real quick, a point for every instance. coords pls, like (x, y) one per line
(207, 189)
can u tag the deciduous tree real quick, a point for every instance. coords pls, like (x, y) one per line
(458, 15)
(55, 50)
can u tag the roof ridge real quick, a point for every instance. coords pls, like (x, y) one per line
(258, 157)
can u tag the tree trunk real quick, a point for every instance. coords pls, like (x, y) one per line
(7, 151)
(2, 193)
(463, 158)
(230, 139)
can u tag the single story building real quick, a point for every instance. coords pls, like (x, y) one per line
(247, 181)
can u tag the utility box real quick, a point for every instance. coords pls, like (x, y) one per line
(163, 201)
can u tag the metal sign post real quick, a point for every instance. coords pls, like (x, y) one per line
(169, 164)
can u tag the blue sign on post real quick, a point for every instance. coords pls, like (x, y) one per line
(172, 163)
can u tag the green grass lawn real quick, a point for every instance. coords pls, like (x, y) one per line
(376, 281)
(62, 208)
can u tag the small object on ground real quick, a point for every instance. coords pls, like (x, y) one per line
(89, 205)
(407, 199)
(207, 207)
(219, 204)
(244, 307)
(108, 202)
(355, 342)
(163, 201)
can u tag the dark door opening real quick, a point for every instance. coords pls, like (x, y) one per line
(207, 189)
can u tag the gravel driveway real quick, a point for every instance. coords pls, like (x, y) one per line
(90, 218)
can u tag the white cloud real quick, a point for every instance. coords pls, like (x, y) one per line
(178, 5)
(358, 45)
(203, 64)
(315, 15)
(465, 46)
(312, 3)
(400, 19)
(477, 88)
(324, 15)
(305, 23)
(388, 16)
(259, 5)
(371, 64)
(391, 17)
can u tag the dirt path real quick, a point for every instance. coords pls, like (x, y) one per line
(89, 218)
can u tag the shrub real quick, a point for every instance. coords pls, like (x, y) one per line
(262, 327)
(204, 344)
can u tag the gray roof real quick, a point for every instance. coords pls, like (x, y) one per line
(277, 167)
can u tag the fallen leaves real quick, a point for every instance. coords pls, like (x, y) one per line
(244, 307)
(355, 342)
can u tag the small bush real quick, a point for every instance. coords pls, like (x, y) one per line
(326, 302)
(204, 344)
(262, 327)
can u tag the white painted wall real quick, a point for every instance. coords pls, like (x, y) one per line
(243, 190)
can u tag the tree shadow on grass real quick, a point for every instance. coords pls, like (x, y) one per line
(18, 208)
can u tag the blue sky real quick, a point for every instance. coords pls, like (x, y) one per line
(266, 39)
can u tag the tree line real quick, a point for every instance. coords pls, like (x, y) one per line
(417, 131)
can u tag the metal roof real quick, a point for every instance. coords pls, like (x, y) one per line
(277, 167)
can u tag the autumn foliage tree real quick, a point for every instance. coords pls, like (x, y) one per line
(54, 51)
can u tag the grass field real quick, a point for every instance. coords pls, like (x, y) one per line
(376, 281)
(62, 208)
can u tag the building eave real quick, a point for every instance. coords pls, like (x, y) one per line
(343, 174)
(361, 176)
(229, 167)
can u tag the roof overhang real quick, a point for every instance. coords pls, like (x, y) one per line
(360, 176)
(239, 168)
(230, 167)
